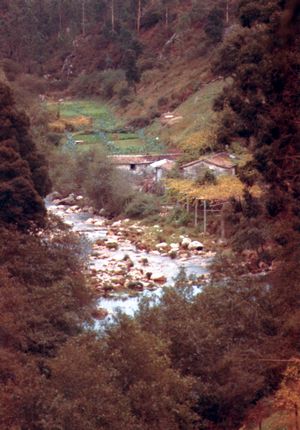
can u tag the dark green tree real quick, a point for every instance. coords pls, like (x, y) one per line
(214, 26)
(24, 177)
(261, 107)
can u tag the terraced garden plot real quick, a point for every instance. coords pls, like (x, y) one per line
(95, 125)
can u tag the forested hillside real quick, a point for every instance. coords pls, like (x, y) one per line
(116, 49)
(85, 83)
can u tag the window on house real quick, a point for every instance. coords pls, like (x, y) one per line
(132, 166)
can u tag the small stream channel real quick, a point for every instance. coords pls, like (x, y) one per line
(93, 228)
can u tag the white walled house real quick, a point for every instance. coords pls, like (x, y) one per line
(161, 168)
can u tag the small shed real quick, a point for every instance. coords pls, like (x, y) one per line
(221, 163)
(139, 164)
(161, 167)
(132, 163)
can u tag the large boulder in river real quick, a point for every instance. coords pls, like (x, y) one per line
(159, 278)
(134, 285)
(99, 223)
(172, 254)
(195, 246)
(69, 201)
(186, 241)
(162, 246)
(55, 195)
(112, 244)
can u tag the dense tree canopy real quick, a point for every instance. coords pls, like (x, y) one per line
(27, 27)
(24, 179)
(261, 107)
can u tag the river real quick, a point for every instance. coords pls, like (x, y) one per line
(103, 263)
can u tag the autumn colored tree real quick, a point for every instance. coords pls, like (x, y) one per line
(288, 396)
(43, 302)
(158, 395)
(222, 338)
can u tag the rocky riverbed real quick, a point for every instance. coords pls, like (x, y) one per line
(121, 266)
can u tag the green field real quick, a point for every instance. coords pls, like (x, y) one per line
(97, 111)
(100, 129)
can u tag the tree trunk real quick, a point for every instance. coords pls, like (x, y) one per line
(204, 217)
(113, 15)
(223, 229)
(83, 17)
(167, 17)
(196, 212)
(296, 418)
(227, 11)
(139, 15)
(60, 16)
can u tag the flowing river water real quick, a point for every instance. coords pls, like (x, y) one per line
(92, 228)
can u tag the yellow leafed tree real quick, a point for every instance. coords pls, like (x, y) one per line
(198, 142)
(288, 396)
(226, 187)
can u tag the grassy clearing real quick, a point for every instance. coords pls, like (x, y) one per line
(129, 143)
(96, 112)
(88, 138)
(85, 147)
(197, 115)
(89, 108)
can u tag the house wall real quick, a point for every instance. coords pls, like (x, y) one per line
(138, 170)
(159, 173)
(192, 172)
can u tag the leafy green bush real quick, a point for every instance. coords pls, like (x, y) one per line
(98, 83)
(121, 89)
(107, 187)
(62, 168)
(141, 206)
(109, 78)
(91, 174)
(179, 217)
(206, 177)
(86, 84)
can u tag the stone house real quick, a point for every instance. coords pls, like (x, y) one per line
(139, 164)
(220, 163)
